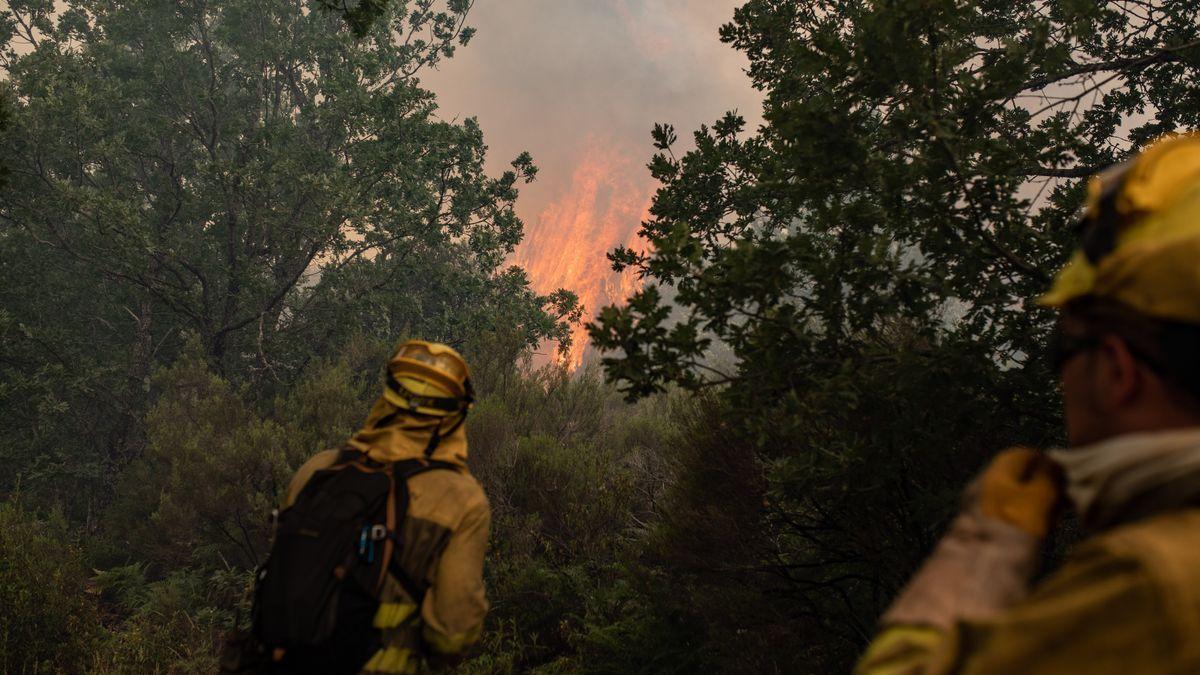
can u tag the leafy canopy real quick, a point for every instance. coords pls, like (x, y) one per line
(856, 279)
(919, 159)
(246, 172)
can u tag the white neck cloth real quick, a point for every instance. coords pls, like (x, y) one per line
(1132, 475)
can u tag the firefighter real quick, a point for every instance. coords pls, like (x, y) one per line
(1127, 351)
(431, 607)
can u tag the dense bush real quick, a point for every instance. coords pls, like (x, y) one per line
(648, 537)
(49, 617)
(575, 475)
(173, 624)
(217, 460)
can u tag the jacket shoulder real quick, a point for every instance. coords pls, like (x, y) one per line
(447, 498)
(1167, 544)
(1166, 550)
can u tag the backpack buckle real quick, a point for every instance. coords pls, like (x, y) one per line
(367, 538)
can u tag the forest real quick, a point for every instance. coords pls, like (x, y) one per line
(218, 217)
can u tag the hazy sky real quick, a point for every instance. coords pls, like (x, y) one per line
(579, 84)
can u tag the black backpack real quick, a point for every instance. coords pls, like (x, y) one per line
(316, 596)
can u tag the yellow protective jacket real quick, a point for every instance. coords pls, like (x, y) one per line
(445, 537)
(1126, 600)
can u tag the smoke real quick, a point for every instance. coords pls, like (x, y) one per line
(579, 84)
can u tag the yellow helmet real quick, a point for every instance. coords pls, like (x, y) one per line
(428, 378)
(1141, 235)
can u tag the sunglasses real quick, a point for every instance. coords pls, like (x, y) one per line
(1063, 347)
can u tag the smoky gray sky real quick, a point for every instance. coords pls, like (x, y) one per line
(545, 75)
(579, 84)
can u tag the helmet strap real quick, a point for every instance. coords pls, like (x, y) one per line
(387, 419)
(436, 438)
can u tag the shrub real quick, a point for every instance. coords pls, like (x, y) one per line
(210, 476)
(49, 621)
(172, 625)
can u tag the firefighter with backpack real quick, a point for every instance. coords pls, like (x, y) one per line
(377, 564)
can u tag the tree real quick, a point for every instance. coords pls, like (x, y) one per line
(939, 184)
(245, 172)
(869, 258)
(360, 15)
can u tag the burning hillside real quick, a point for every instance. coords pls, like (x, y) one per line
(599, 209)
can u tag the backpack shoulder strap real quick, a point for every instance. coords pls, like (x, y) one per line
(401, 472)
(411, 467)
(349, 454)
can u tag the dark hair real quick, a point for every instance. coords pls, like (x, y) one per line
(1169, 348)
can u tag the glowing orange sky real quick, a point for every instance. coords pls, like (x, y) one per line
(579, 84)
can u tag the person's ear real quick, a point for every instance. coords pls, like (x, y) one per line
(1120, 371)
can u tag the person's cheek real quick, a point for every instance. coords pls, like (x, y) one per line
(1077, 413)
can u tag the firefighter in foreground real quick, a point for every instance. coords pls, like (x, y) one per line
(1127, 599)
(392, 526)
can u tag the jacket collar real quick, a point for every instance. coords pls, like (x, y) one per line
(1132, 476)
(390, 435)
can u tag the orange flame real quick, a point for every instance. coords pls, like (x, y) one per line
(608, 198)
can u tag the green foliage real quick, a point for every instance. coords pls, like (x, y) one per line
(248, 173)
(359, 16)
(574, 476)
(211, 472)
(445, 28)
(938, 187)
(856, 278)
(48, 616)
(220, 218)
(170, 625)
